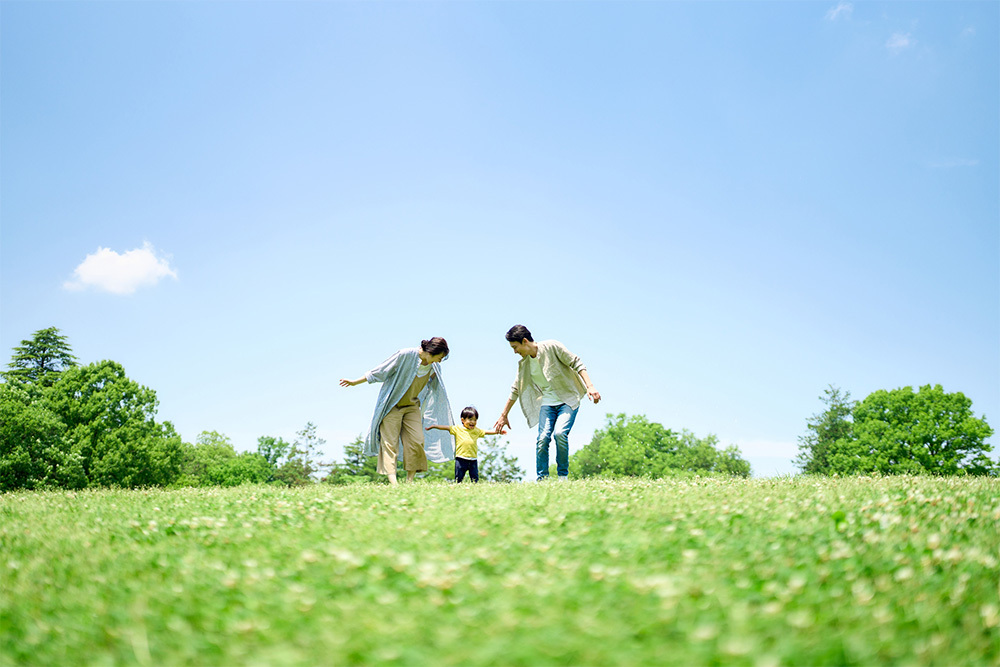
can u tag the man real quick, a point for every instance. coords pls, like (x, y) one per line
(550, 383)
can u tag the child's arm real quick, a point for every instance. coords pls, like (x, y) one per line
(500, 432)
(438, 427)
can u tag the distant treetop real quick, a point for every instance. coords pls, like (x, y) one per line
(41, 359)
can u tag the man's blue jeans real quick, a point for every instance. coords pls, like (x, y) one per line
(554, 421)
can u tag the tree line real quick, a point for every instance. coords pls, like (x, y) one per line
(73, 426)
(67, 425)
(902, 431)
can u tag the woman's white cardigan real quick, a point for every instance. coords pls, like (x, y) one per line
(396, 375)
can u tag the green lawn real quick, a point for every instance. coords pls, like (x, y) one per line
(793, 571)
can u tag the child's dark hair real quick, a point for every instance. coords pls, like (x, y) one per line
(517, 333)
(470, 413)
(435, 346)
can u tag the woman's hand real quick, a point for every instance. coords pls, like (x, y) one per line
(344, 382)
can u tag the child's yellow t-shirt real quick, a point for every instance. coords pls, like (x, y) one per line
(465, 440)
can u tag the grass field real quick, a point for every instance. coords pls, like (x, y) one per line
(792, 571)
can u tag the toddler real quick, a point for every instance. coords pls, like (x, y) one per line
(466, 436)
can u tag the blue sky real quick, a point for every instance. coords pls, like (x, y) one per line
(721, 207)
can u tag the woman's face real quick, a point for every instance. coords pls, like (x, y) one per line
(427, 358)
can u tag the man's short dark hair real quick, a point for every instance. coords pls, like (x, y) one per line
(517, 333)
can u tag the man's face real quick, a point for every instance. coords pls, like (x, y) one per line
(520, 347)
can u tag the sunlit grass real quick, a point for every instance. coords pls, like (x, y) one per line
(793, 571)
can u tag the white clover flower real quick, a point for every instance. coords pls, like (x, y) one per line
(990, 614)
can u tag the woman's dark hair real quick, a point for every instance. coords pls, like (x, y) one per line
(517, 333)
(469, 413)
(435, 346)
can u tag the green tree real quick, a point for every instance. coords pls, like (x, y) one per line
(730, 461)
(244, 468)
(927, 431)
(688, 452)
(34, 452)
(825, 430)
(110, 425)
(495, 465)
(200, 461)
(213, 461)
(637, 447)
(624, 447)
(302, 462)
(41, 359)
(356, 467)
(272, 449)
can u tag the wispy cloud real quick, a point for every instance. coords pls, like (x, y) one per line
(843, 10)
(969, 32)
(952, 163)
(899, 42)
(108, 271)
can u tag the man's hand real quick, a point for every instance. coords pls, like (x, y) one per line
(501, 423)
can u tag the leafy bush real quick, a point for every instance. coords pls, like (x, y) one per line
(637, 447)
(245, 468)
(356, 468)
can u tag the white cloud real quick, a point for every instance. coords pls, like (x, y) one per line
(844, 9)
(969, 32)
(120, 274)
(899, 42)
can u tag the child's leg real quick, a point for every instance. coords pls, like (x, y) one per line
(474, 470)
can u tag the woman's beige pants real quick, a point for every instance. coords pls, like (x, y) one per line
(406, 423)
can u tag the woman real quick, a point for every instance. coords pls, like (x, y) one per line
(412, 393)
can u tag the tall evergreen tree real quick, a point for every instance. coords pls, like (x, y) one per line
(356, 464)
(41, 359)
(825, 429)
(302, 462)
